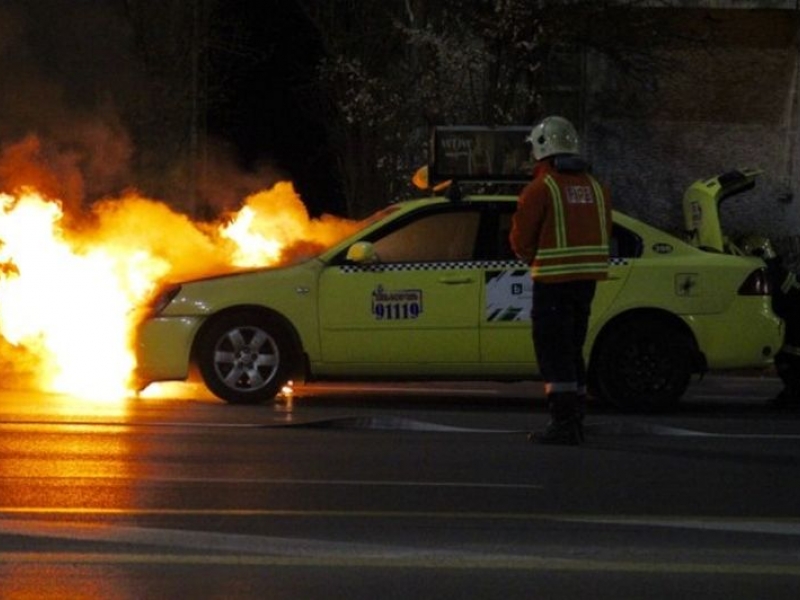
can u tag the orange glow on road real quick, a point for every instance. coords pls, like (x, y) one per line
(71, 282)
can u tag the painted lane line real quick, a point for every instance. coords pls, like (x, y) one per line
(789, 527)
(392, 423)
(452, 561)
(180, 538)
(395, 423)
(400, 390)
(374, 422)
(296, 482)
(217, 548)
(622, 429)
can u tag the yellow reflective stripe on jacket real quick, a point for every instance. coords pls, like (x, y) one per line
(564, 259)
(561, 269)
(572, 251)
(601, 208)
(558, 211)
(585, 259)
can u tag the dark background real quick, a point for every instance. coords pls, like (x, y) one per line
(104, 86)
(274, 112)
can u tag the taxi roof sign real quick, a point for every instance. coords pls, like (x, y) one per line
(475, 153)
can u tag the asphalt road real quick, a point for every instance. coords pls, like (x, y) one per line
(397, 491)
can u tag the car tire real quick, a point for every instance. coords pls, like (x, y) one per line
(642, 365)
(244, 358)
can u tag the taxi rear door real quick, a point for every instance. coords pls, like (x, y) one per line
(506, 343)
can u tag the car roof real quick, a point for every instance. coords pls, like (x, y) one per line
(405, 207)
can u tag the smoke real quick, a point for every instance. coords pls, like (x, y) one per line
(104, 195)
(84, 117)
(60, 128)
(221, 185)
(86, 159)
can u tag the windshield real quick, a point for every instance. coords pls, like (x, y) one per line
(378, 215)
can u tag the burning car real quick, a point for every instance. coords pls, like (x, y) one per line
(429, 289)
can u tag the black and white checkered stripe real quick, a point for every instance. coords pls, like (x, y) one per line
(449, 266)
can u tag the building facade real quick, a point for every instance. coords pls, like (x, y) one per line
(725, 97)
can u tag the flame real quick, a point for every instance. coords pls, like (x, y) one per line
(273, 226)
(71, 284)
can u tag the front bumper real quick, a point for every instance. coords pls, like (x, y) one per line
(163, 349)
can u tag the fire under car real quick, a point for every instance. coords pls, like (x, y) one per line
(429, 289)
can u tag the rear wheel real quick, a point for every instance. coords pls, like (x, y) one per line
(642, 364)
(244, 358)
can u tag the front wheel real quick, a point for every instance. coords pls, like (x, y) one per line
(244, 358)
(642, 365)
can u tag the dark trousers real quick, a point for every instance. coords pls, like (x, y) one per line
(560, 320)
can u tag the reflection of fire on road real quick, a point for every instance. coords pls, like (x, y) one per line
(71, 279)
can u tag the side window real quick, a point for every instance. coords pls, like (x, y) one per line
(625, 243)
(444, 236)
(503, 244)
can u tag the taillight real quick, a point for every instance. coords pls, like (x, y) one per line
(756, 284)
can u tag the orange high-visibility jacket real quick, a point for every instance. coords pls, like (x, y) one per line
(562, 225)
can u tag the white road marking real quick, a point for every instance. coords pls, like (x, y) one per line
(398, 389)
(788, 527)
(418, 560)
(626, 428)
(290, 482)
(594, 429)
(257, 550)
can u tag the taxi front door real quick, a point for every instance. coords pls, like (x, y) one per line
(416, 310)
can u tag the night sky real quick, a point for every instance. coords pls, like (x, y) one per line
(66, 79)
(274, 113)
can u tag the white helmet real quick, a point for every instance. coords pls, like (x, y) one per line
(553, 135)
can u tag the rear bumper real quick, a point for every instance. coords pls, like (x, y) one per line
(748, 335)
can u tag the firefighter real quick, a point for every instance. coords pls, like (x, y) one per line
(561, 228)
(786, 304)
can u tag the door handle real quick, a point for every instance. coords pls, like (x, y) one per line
(455, 280)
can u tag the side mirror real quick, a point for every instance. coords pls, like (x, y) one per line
(362, 253)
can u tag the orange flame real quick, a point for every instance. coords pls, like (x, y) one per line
(70, 285)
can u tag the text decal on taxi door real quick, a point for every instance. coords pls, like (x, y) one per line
(396, 304)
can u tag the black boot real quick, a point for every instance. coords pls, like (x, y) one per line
(565, 426)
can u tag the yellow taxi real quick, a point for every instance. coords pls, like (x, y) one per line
(429, 289)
